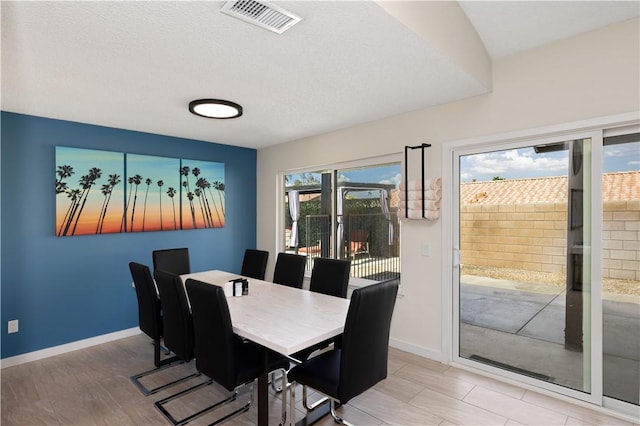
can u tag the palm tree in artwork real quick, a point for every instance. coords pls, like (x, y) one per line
(137, 180)
(61, 187)
(171, 192)
(205, 219)
(184, 171)
(146, 194)
(193, 215)
(74, 196)
(160, 184)
(105, 191)
(219, 186)
(63, 172)
(126, 207)
(114, 179)
(86, 182)
(203, 184)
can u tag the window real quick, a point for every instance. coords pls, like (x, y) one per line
(346, 213)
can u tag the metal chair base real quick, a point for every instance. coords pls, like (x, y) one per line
(333, 404)
(335, 416)
(161, 365)
(305, 400)
(244, 408)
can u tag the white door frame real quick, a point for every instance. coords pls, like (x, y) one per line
(592, 128)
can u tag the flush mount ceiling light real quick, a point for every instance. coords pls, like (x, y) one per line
(215, 108)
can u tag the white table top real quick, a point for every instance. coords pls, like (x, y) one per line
(281, 318)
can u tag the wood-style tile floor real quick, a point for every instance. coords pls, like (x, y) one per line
(92, 387)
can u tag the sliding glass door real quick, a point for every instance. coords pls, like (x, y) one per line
(547, 288)
(524, 284)
(621, 268)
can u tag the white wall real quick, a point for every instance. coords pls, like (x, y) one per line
(592, 75)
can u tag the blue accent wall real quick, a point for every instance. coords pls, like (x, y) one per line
(64, 289)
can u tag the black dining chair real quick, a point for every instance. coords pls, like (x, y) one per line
(361, 362)
(254, 263)
(289, 269)
(222, 355)
(175, 261)
(330, 277)
(178, 331)
(150, 322)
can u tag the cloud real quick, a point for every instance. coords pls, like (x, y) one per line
(393, 180)
(514, 163)
(343, 178)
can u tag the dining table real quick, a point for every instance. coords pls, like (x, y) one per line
(282, 319)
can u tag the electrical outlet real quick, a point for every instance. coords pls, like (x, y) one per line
(426, 250)
(12, 326)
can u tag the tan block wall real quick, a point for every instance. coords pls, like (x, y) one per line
(521, 236)
(532, 237)
(621, 240)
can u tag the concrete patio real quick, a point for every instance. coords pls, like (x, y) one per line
(521, 325)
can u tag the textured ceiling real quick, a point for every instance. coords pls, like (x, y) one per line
(508, 27)
(136, 65)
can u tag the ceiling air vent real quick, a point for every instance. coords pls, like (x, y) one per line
(262, 14)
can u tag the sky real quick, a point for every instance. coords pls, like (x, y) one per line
(385, 174)
(525, 163)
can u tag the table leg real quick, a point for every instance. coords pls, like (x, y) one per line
(263, 392)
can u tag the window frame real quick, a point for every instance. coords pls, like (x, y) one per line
(332, 168)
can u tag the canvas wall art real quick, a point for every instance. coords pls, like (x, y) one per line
(203, 194)
(89, 188)
(153, 188)
(99, 192)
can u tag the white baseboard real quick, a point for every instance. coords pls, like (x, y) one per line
(68, 347)
(416, 350)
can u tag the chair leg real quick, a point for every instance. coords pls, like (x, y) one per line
(240, 410)
(157, 348)
(160, 365)
(292, 404)
(335, 416)
(245, 407)
(146, 392)
(305, 400)
(160, 404)
(272, 380)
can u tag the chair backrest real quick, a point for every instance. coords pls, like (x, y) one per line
(176, 316)
(365, 342)
(330, 276)
(254, 264)
(149, 312)
(214, 337)
(289, 269)
(175, 261)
